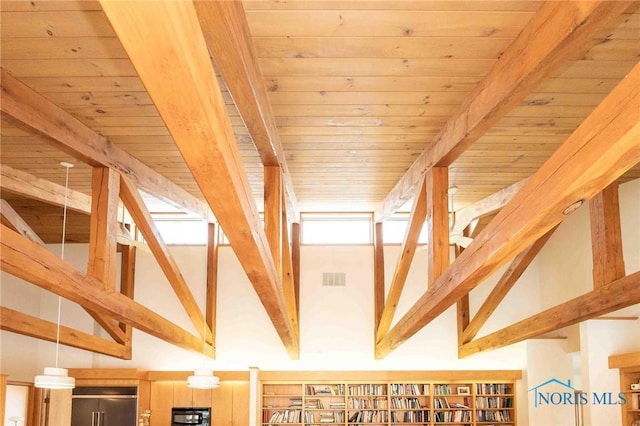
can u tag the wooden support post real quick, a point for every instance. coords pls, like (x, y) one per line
(104, 225)
(378, 275)
(291, 294)
(462, 306)
(606, 236)
(295, 260)
(127, 282)
(273, 213)
(105, 187)
(437, 186)
(212, 280)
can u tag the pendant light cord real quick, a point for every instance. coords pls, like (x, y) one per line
(64, 231)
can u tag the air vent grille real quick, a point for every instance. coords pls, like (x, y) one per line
(334, 279)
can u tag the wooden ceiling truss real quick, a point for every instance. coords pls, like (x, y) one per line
(526, 62)
(203, 133)
(606, 145)
(109, 182)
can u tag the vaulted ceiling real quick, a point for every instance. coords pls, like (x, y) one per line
(353, 102)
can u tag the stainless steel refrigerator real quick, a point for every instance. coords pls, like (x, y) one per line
(104, 406)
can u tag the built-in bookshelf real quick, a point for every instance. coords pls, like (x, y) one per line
(629, 365)
(407, 403)
(631, 409)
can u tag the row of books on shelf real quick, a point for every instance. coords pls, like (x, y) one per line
(439, 402)
(285, 416)
(494, 402)
(408, 389)
(337, 389)
(318, 404)
(410, 417)
(493, 388)
(442, 390)
(493, 416)
(410, 402)
(368, 403)
(457, 416)
(368, 389)
(330, 417)
(368, 416)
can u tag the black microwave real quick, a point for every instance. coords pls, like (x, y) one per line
(193, 416)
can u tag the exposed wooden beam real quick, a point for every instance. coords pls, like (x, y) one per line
(606, 236)
(463, 310)
(37, 265)
(213, 235)
(17, 223)
(407, 251)
(142, 218)
(291, 293)
(378, 276)
(558, 32)
(437, 185)
(104, 227)
(226, 32)
(506, 283)
(103, 231)
(484, 207)
(604, 147)
(127, 282)
(69, 134)
(24, 184)
(167, 36)
(273, 213)
(604, 299)
(27, 325)
(295, 263)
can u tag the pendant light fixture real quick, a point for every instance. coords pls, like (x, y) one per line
(55, 377)
(203, 377)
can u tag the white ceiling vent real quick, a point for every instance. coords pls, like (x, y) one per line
(334, 279)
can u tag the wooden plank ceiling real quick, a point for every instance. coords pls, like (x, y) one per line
(357, 89)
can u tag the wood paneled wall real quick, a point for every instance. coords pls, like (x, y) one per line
(229, 403)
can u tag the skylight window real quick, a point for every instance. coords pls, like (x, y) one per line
(183, 232)
(328, 228)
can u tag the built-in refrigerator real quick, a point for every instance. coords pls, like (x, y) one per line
(104, 406)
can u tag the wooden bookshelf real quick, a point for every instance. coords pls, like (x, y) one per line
(389, 402)
(629, 365)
